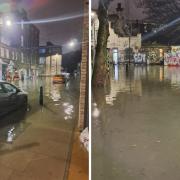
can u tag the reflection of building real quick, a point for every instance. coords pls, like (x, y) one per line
(120, 84)
(50, 59)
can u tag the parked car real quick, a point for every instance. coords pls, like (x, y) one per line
(59, 78)
(11, 98)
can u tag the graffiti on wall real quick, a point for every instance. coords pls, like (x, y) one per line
(139, 58)
(172, 59)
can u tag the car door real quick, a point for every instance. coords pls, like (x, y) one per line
(12, 95)
(4, 101)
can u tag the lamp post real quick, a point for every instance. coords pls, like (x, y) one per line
(120, 10)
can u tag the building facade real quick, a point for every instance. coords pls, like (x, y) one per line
(21, 43)
(50, 59)
(117, 45)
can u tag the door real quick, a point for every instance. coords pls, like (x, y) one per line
(115, 56)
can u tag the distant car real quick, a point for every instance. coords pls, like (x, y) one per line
(59, 78)
(66, 75)
(11, 98)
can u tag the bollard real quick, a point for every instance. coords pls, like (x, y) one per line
(41, 96)
(126, 67)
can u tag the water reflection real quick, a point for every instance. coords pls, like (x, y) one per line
(12, 125)
(68, 110)
(121, 83)
(135, 126)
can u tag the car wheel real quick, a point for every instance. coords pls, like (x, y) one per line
(25, 104)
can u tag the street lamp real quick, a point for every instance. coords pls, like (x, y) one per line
(8, 23)
(71, 44)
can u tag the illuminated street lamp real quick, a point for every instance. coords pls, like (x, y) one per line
(71, 44)
(8, 23)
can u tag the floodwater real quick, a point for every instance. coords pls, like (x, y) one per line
(36, 144)
(56, 96)
(136, 125)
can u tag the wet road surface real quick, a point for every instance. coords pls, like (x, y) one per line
(36, 144)
(136, 125)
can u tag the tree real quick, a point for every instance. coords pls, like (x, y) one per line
(99, 72)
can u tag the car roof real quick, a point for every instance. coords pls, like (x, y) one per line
(2, 81)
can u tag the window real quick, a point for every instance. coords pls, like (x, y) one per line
(22, 41)
(2, 52)
(13, 56)
(9, 88)
(1, 89)
(7, 53)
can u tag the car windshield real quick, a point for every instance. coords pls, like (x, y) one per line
(9, 88)
(1, 89)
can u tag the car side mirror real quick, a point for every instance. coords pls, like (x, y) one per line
(18, 90)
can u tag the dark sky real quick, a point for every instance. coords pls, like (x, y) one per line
(58, 32)
(130, 8)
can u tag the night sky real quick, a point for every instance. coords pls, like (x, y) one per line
(58, 32)
(130, 8)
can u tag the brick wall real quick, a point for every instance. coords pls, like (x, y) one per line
(83, 101)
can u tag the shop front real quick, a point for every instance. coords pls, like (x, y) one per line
(155, 54)
(172, 58)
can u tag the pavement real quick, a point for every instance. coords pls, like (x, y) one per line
(36, 145)
(78, 169)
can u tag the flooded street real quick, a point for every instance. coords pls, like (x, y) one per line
(36, 144)
(136, 125)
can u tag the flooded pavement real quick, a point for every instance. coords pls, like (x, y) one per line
(136, 125)
(36, 144)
